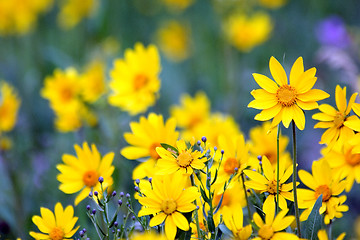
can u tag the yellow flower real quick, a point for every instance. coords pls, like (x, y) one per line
(233, 219)
(73, 11)
(178, 5)
(147, 236)
(146, 136)
(82, 172)
(93, 82)
(246, 32)
(270, 229)
(336, 120)
(322, 235)
(268, 183)
(174, 40)
(135, 81)
(272, 3)
(9, 107)
(56, 226)
(167, 199)
(282, 101)
(184, 161)
(321, 181)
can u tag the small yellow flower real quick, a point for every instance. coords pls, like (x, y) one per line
(322, 235)
(184, 161)
(9, 107)
(233, 219)
(283, 101)
(93, 82)
(147, 236)
(73, 11)
(135, 83)
(167, 199)
(81, 173)
(56, 226)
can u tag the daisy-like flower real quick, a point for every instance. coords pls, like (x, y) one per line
(184, 161)
(268, 183)
(283, 101)
(73, 11)
(322, 235)
(81, 173)
(167, 199)
(56, 226)
(336, 120)
(135, 81)
(93, 82)
(271, 228)
(9, 107)
(234, 220)
(321, 181)
(146, 136)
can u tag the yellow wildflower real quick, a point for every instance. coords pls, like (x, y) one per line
(73, 11)
(272, 3)
(233, 219)
(322, 235)
(135, 81)
(282, 101)
(93, 82)
(55, 226)
(147, 236)
(82, 172)
(9, 107)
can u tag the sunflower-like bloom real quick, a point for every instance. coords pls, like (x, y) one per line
(233, 219)
(73, 11)
(82, 172)
(93, 82)
(184, 161)
(167, 199)
(135, 81)
(282, 101)
(9, 107)
(146, 136)
(268, 183)
(56, 226)
(322, 235)
(272, 227)
(321, 181)
(336, 120)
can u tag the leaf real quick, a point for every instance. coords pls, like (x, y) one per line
(314, 222)
(227, 232)
(170, 148)
(203, 195)
(215, 177)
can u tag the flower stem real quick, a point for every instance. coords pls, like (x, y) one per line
(277, 167)
(196, 210)
(294, 180)
(247, 200)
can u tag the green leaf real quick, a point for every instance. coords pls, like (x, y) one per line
(314, 222)
(203, 195)
(170, 148)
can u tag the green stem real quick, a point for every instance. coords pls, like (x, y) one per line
(247, 200)
(196, 210)
(277, 167)
(294, 181)
(329, 230)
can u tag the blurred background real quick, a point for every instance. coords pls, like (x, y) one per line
(208, 45)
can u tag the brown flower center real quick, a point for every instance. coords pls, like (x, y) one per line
(168, 206)
(230, 164)
(271, 156)
(184, 159)
(352, 159)
(271, 189)
(339, 120)
(266, 232)
(56, 233)
(325, 191)
(90, 178)
(140, 81)
(66, 94)
(226, 199)
(286, 95)
(152, 150)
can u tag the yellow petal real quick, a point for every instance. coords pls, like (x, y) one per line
(323, 117)
(299, 117)
(351, 102)
(267, 114)
(340, 98)
(258, 220)
(307, 105)
(324, 125)
(131, 152)
(82, 195)
(306, 81)
(278, 72)
(296, 70)
(329, 110)
(269, 210)
(353, 124)
(39, 222)
(148, 211)
(180, 221)
(48, 217)
(287, 116)
(313, 95)
(267, 167)
(308, 179)
(170, 228)
(256, 177)
(265, 83)
(157, 219)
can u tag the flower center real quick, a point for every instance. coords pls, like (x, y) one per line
(168, 206)
(230, 164)
(325, 191)
(226, 199)
(286, 95)
(271, 156)
(339, 120)
(90, 178)
(184, 159)
(140, 81)
(56, 234)
(271, 189)
(66, 94)
(152, 149)
(352, 159)
(266, 232)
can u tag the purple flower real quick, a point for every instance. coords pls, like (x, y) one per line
(332, 31)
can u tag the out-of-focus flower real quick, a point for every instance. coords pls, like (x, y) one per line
(147, 236)
(81, 173)
(322, 235)
(283, 101)
(234, 220)
(272, 3)
(93, 82)
(340, 125)
(146, 136)
(20, 16)
(332, 32)
(55, 226)
(167, 199)
(246, 32)
(174, 40)
(5, 143)
(73, 11)
(9, 107)
(135, 83)
(178, 5)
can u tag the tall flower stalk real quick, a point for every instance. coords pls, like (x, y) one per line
(297, 215)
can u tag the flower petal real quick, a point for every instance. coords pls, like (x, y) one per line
(265, 83)
(278, 72)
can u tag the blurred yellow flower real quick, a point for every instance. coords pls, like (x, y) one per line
(146, 136)
(81, 173)
(20, 16)
(93, 82)
(167, 199)
(73, 11)
(9, 107)
(246, 32)
(174, 40)
(135, 83)
(272, 3)
(147, 236)
(283, 101)
(5, 143)
(55, 226)
(178, 5)
(234, 220)
(322, 235)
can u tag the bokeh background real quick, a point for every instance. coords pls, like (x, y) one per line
(208, 45)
